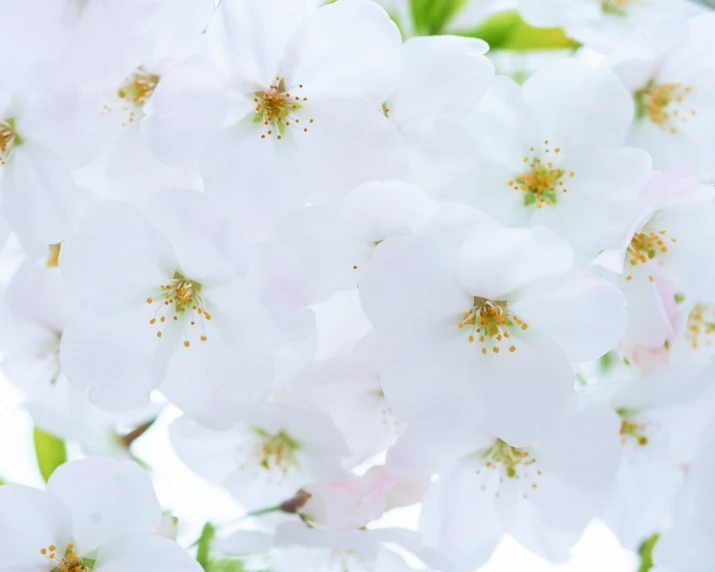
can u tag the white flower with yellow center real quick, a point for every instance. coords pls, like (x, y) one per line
(662, 419)
(673, 93)
(671, 244)
(487, 330)
(543, 494)
(551, 154)
(267, 455)
(290, 103)
(95, 516)
(165, 303)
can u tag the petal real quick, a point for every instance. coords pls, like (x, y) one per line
(496, 263)
(112, 356)
(115, 259)
(347, 48)
(410, 286)
(584, 314)
(525, 392)
(38, 197)
(144, 553)
(441, 75)
(31, 519)
(106, 499)
(210, 381)
(590, 107)
(186, 109)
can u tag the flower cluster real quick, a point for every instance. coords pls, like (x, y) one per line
(368, 270)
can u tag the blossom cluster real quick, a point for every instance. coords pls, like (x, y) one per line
(369, 270)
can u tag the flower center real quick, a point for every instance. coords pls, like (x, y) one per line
(542, 181)
(698, 325)
(9, 139)
(631, 429)
(276, 451)
(69, 562)
(135, 91)
(501, 461)
(619, 7)
(662, 104)
(490, 322)
(277, 108)
(181, 300)
(646, 245)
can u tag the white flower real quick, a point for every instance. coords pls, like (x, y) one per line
(267, 455)
(673, 94)
(662, 418)
(298, 96)
(96, 515)
(164, 305)
(45, 130)
(543, 494)
(670, 242)
(488, 329)
(551, 154)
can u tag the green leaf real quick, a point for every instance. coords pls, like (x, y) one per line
(203, 545)
(226, 566)
(50, 451)
(646, 553)
(508, 31)
(430, 17)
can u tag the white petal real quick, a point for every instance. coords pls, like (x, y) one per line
(584, 314)
(496, 263)
(441, 75)
(210, 381)
(410, 286)
(115, 259)
(144, 553)
(38, 197)
(580, 105)
(106, 499)
(525, 392)
(31, 519)
(347, 48)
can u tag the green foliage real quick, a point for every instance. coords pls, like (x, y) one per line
(646, 553)
(226, 566)
(431, 17)
(203, 545)
(508, 31)
(50, 451)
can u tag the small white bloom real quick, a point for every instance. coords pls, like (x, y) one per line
(96, 515)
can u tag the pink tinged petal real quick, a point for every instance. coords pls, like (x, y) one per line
(112, 356)
(496, 263)
(590, 107)
(211, 380)
(526, 392)
(116, 259)
(441, 76)
(186, 109)
(38, 197)
(30, 520)
(343, 505)
(410, 286)
(144, 553)
(107, 499)
(582, 313)
(648, 322)
(346, 49)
